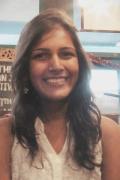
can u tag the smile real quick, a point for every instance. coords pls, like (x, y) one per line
(56, 81)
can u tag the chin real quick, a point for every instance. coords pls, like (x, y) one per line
(56, 97)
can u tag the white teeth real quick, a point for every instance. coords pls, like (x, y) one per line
(56, 81)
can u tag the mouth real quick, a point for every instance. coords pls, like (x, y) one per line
(56, 81)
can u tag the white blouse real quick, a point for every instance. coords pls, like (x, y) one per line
(48, 165)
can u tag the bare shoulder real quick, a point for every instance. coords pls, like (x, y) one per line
(6, 141)
(110, 129)
(5, 124)
(6, 137)
(111, 149)
(5, 120)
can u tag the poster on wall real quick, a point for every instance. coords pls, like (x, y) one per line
(7, 55)
(100, 15)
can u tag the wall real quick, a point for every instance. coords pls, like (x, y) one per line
(14, 14)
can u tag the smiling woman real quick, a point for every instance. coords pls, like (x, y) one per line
(54, 65)
(57, 131)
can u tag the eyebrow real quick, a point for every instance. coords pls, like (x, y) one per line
(68, 48)
(40, 49)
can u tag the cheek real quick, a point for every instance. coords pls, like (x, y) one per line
(35, 77)
(75, 69)
(76, 74)
(36, 69)
(34, 74)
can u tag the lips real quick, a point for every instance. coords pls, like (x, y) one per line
(56, 81)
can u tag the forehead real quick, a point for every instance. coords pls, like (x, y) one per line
(57, 36)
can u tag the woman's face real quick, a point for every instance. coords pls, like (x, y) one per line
(54, 65)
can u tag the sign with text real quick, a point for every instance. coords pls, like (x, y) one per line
(5, 87)
(6, 57)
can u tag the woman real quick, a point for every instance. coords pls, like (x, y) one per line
(57, 130)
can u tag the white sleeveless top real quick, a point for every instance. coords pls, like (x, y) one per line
(48, 165)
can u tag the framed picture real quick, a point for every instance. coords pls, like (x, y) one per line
(98, 15)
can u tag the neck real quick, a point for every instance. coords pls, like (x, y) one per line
(54, 111)
(55, 123)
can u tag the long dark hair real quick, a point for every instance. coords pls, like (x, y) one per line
(83, 114)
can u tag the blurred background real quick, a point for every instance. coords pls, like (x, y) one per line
(98, 27)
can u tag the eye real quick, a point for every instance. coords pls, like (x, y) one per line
(40, 56)
(67, 54)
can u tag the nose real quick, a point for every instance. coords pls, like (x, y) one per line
(55, 64)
